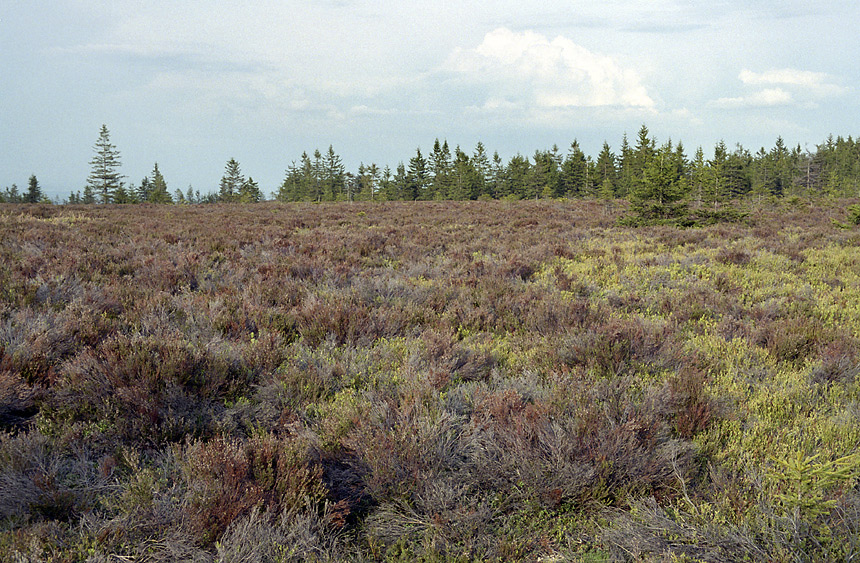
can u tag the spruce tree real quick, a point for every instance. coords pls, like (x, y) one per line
(605, 168)
(333, 175)
(231, 182)
(417, 180)
(249, 192)
(158, 193)
(659, 195)
(574, 171)
(104, 178)
(34, 192)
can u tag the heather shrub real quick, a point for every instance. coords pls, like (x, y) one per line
(17, 399)
(692, 407)
(41, 481)
(792, 339)
(615, 347)
(285, 537)
(398, 449)
(228, 478)
(426, 381)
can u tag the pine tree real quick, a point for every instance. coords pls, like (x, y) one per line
(104, 179)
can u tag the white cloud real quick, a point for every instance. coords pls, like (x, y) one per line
(816, 83)
(530, 71)
(769, 97)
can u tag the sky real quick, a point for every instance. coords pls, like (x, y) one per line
(192, 84)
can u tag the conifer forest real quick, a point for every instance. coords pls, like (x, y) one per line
(644, 356)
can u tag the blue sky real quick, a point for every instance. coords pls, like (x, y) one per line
(192, 84)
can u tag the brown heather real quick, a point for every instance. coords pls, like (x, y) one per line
(424, 381)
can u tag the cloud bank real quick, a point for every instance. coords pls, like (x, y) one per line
(782, 87)
(526, 69)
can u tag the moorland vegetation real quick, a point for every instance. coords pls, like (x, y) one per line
(428, 381)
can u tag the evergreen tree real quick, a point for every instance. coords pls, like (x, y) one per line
(89, 197)
(625, 168)
(574, 172)
(123, 195)
(104, 178)
(716, 188)
(658, 196)
(231, 182)
(607, 190)
(417, 180)
(333, 176)
(481, 164)
(464, 177)
(368, 179)
(158, 192)
(386, 185)
(605, 168)
(34, 192)
(517, 178)
(143, 191)
(440, 169)
(249, 192)
(401, 184)
(544, 178)
(497, 175)
(12, 195)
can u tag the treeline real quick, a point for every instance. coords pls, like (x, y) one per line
(659, 180)
(33, 194)
(643, 172)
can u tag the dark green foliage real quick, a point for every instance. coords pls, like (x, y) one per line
(231, 182)
(854, 214)
(104, 179)
(34, 192)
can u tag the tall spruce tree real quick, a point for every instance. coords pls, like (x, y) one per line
(104, 178)
(158, 193)
(417, 177)
(659, 195)
(231, 182)
(34, 192)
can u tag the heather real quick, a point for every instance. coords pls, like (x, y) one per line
(428, 381)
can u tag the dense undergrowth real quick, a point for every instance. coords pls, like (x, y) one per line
(427, 382)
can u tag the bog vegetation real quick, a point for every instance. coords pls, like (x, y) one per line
(428, 381)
